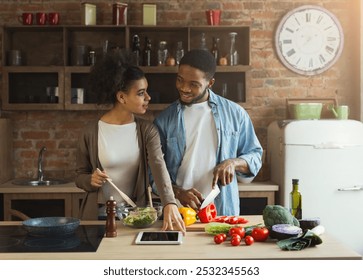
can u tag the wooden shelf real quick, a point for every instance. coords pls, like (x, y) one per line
(51, 62)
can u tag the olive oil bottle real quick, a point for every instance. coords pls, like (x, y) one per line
(295, 200)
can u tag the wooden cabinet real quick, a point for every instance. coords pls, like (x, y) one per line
(57, 200)
(49, 60)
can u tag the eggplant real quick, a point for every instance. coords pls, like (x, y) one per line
(309, 223)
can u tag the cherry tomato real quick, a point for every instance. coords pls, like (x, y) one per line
(237, 230)
(249, 240)
(235, 235)
(235, 240)
(224, 236)
(260, 233)
(232, 220)
(218, 239)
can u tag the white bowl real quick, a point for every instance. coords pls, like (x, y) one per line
(245, 180)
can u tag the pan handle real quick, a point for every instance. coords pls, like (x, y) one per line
(19, 214)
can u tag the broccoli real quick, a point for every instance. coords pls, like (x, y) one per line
(277, 214)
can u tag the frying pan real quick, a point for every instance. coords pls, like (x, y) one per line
(51, 226)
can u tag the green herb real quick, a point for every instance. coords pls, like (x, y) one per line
(141, 217)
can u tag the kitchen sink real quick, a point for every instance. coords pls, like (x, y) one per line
(40, 180)
(32, 182)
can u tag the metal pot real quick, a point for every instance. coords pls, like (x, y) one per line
(51, 226)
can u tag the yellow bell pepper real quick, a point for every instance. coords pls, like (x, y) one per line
(189, 215)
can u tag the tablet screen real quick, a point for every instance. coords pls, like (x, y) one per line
(159, 237)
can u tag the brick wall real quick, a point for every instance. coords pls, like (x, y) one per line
(269, 83)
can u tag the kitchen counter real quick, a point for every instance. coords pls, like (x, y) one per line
(67, 192)
(196, 245)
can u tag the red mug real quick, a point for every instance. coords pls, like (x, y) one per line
(213, 17)
(26, 18)
(41, 18)
(53, 18)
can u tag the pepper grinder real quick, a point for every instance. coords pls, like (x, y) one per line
(111, 218)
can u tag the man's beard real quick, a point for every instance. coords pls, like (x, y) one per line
(196, 99)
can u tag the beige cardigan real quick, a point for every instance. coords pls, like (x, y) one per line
(151, 154)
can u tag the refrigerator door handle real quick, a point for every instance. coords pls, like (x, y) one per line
(355, 188)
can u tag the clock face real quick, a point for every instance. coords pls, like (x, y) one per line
(309, 40)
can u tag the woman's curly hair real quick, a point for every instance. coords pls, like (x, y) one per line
(114, 72)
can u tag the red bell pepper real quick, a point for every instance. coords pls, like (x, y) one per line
(207, 214)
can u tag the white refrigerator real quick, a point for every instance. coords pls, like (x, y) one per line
(327, 158)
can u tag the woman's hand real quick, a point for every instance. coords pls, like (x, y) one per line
(173, 219)
(98, 178)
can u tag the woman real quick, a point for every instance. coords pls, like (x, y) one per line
(122, 145)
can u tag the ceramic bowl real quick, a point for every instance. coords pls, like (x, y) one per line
(307, 111)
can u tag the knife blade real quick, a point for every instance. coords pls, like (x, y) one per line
(210, 197)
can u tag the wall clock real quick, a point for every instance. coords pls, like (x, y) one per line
(309, 40)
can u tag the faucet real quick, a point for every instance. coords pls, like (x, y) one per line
(40, 164)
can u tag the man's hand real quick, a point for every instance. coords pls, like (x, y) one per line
(225, 171)
(190, 198)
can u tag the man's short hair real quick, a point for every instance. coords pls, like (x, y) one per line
(202, 60)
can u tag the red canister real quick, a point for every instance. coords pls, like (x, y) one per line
(119, 14)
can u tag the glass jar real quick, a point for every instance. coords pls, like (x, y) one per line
(179, 52)
(136, 49)
(215, 49)
(162, 53)
(233, 54)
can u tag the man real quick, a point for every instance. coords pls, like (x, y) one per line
(206, 138)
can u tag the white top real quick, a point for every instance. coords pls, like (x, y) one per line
(119, 154)
(199, 159)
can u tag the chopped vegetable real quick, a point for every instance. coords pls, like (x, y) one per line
(284, 231)
(309, 223)
(141, 217)
(208, 213)
(189, 215)
(277, 214)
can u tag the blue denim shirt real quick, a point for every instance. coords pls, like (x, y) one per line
(236, 139)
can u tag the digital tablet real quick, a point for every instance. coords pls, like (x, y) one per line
(159, 237)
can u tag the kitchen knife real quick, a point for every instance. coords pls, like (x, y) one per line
(210, 197)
